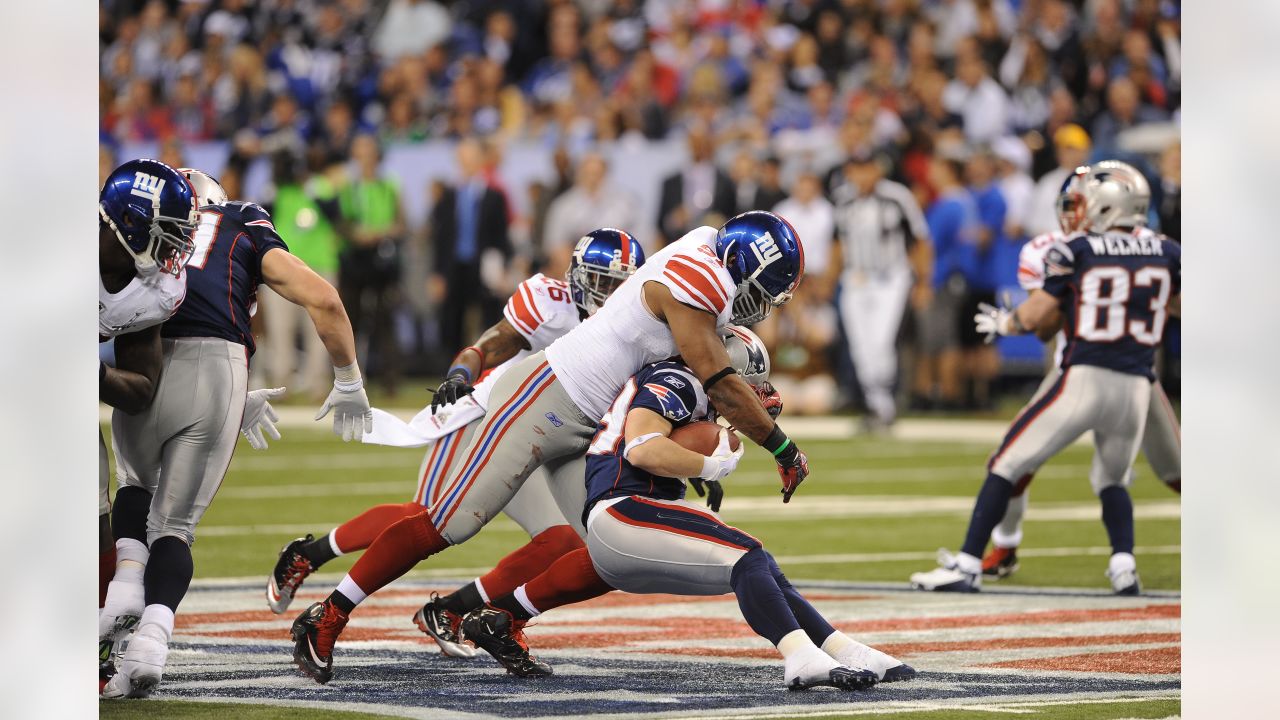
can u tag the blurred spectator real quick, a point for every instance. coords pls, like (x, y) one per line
(548, 81)
(171, 153)
(1125, 109)
(411, 27)
(1072, 145)
(468, 222)
(996, 260)
(1170, 191)
(813, 218)
(884, 243)
(369, 266)
(952, 220)
(1013, 165)
(700, 188)
(591, 203)
(305, 211)
(106, 162)
(978, 99)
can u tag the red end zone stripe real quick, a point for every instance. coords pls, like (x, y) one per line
(674, 531)
(1146, 661)
(473, 474)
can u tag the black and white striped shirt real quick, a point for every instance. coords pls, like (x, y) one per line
(877, 229)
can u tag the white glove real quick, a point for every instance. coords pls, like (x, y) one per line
(721, 462)
(992, 321)
(259, 416)
(352, 418)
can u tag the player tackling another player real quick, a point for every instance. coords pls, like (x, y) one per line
(644, 537)
(1111, 288)
(546, 408)
(541, 311)
(172, 456)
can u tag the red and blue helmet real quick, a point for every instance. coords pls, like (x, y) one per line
(152, 210)
(601, 261)
(765, 259)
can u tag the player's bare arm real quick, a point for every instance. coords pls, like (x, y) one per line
(300, 285)
(703, 352)
(495, 346)
(131, 384)
(650, 448)
(1039, 314)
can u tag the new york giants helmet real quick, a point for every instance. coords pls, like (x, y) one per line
(1116, 195)
(601, 261)
(208, 190)
(152, 210)
(747, 354)
(763, 255)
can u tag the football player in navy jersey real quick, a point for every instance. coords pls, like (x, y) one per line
(1111, 289)
(172, 457)
(644, 537)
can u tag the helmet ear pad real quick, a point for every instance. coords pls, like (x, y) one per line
(733, 262)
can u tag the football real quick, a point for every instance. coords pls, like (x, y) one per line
(702, 437)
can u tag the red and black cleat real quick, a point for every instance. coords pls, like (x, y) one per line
(314, 634)
(1000, 563)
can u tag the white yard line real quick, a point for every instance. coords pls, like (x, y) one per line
(840, 559)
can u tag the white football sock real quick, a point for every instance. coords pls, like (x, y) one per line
(967, 563)
(160, 615)
(333, 542)
(131, 560)
(1121, 562)
(480, 589)
(851, 653)
(351, 591)
(803, 660)
(523, 598)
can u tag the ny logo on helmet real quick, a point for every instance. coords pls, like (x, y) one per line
(147, 186)
(766, 250)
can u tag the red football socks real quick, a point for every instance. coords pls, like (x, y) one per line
(394, 552)
(360, 531)
(521, 566)
(570, 579)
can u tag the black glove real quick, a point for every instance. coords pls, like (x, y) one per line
(454, 388)
(701, 486)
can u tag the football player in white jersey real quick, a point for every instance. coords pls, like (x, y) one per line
(540, 311)
(1161, 440)
(146, 212)
(544, 411)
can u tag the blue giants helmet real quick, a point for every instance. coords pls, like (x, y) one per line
(601, 260)
(763, 255)
(152, 210)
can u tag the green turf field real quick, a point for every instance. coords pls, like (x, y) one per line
(310, 481)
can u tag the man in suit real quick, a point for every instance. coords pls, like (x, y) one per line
(469, 224)
(698, 190)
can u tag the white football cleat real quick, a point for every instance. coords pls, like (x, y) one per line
(886, 667)
(819, 669)
(948, 577)
(1125, 582)
(141, 665)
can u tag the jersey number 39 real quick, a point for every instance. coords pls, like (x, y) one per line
(1104, 316)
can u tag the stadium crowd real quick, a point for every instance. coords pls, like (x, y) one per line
(976, 109)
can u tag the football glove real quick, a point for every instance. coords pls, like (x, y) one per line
(770, 398)
(723, 461)
(991, 321)
(352, 417)
(259, 416)
(454, 388)
(793, 468)
(716, 490)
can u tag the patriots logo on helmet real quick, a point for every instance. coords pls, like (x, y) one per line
(673, 407)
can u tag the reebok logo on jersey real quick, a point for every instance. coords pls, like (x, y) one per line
(555, 420)
(147, 186)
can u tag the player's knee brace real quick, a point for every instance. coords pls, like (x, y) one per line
(129, 514)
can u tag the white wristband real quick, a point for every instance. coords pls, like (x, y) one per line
(347, 379)
(710, 466)
(626, 451)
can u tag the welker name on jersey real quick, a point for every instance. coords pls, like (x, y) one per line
(1115, 289)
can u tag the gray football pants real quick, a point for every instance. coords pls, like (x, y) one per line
(179, 448)
(1161, 445)
(533, 508)
(1084, 397)
(532, 423)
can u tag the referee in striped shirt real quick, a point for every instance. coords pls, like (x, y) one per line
(884, 244)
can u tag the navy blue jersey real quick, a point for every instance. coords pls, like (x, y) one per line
(224, 273)
(667, 388)
(1114, 288)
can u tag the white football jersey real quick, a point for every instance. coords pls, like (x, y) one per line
(542, 310)
(142, 303)
(595, 360)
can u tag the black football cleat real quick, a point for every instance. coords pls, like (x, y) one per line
(292, 567)
(1000, 563)
(502, 636)
(314, 634)
(444, 626)
(899, 673)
